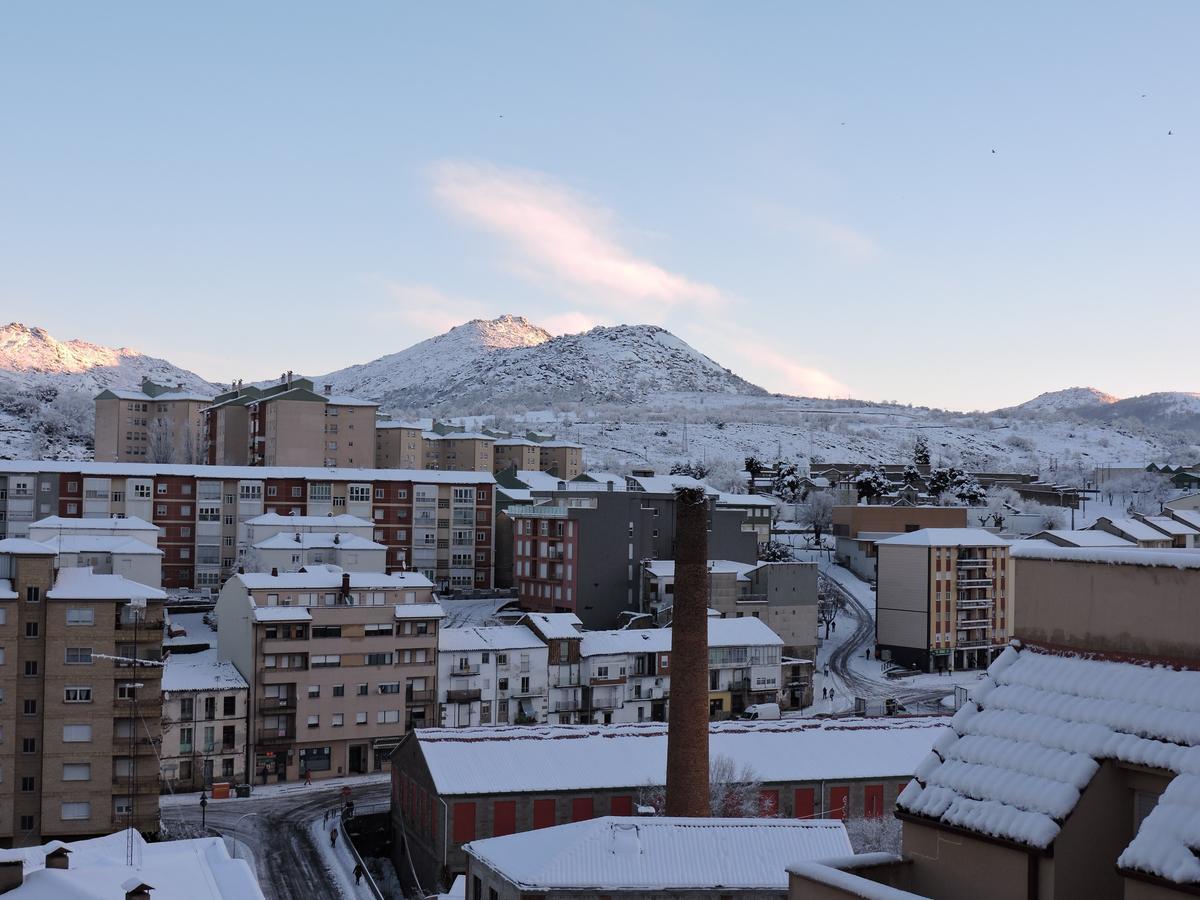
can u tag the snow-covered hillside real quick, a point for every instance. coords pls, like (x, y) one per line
(31, 357)
(511, 362)
(1075, 398)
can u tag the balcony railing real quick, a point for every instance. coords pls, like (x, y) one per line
(606, 702)
(418, 696)
(974, 582)
(464, 671)
(973, 563)
(569, 678)
(283, 736)
(273, 704)
(462, 696)
(973, 623)
(972, 645)
(751, 598)
(615, 679)
(140, 782)
(565, 706)
(975, 603)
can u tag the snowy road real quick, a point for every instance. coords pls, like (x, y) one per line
(276, 827)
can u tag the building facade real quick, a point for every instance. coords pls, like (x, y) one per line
(340, 666)
(205, 713)
(438, 523)
(491, 675)
(154, 424)
(856, 529)
(944, 598)
(79, 671)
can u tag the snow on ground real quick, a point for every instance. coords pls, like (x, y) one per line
(472, 612)
(338, 861)
(281, 789)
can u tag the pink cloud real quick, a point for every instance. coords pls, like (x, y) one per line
(560, 235)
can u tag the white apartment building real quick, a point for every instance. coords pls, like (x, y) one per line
(286, 552)
(109, 546)
(627, 674)
(205, 705)
(491, 675)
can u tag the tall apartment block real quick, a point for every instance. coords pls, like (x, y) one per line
(340, 665)
(153, 424)
(943, 598)
(438, 523)
(83, 715)
(290, 424)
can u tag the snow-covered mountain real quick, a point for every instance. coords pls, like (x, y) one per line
(510, 361)
(31, 357)
(1068, 399)
(1169, 410)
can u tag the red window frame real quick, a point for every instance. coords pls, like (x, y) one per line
(464, 822)
(839, 802)
(504, 817)
(805, 800)
(545, 813)
(582, 808)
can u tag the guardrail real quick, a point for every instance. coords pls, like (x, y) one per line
(358, 860)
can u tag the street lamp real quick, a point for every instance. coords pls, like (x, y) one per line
(203, 810)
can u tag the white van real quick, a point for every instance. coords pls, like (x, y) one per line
(761, 711)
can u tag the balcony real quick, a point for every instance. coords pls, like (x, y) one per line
(464, 671)
(618, 679)
(973, 623)
(972, 645)
(969, 583)
(976, 603)
(973, 563)
(560, 679)
(274, 704)
(606, 702)
(419, 696)
(532, 691)
(282, 736)
(565, 706)
(465, 695)
(139, 782)
(152, 707)
(751, 598)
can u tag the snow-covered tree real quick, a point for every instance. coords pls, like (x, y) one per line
(733, 791)
(161, 441)
(774, 551)
(941, 479)
(872, 484)
(912, 477)
(816, 513)
(787, 484)
(968, 491)
(920, 451)
(874, 834)
(696, 469)
(754, 466)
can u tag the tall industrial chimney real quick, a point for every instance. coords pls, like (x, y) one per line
(687, 729)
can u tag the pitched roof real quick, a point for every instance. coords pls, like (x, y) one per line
(244, 473)
(81, 584)
(519, 759)
(62, 523)
(556, 626)
(287, 540)
(487, 637)
(344, 520)
(200, 672)
(1085, 537)
(1139, 531)
(1127, 556)
(26, 547)
(665, 568)
(1033, 736)
(661, 854)
(101, 543)
(947, 537)
(1169, 525)
(329, 577)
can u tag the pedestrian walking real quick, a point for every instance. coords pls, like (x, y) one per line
(333, 837)
(325, 818)
(834, 624)
(265, 772)
(349, 809)
(824, 693)
(307, 777)
(358, 873)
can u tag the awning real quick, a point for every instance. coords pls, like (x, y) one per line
(386, 743)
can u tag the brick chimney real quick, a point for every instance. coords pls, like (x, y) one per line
(687, 730)
(345, 587)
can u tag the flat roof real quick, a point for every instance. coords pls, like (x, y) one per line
(241, 473)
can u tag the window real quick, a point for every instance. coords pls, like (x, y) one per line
(31, 668)
(29, 745)
(76, 811)
(27, 823)
(77, 695)
(31, 629)
(79, 656)
(27, 784)
(126, 692)
(389, 687)
(76, 734)
(360, 718)
(81, 616)
(362, 690)
(29, 707)
(229, 706)
(314, 721)
(387, 717)
(379, 659)
(77, 772)
(464, 822)
(339, 719)
(33, 594)
(339, 690)
(326, 661)
(315, 759)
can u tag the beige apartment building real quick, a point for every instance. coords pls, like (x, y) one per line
(856, 529)
(340, 666)
(943, 598)
(519, 454)
(153, 424)
(462, 451)
(561, 458)
(399, 445)
(82, 716)
(290, 424)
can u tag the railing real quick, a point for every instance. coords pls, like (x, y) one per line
(975, 603)
(973, 623)
(606, 702)
(565, 706)
(751, 598)
(739, 684)
(138, 781)
(972, 645)
(462, 696)
(271, 704)
(284, 737)
(973, 563)
(974, 582)
(567, 679)
(616, 679)
(418, 696)
(464, 671)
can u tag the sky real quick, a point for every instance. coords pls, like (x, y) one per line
(949, 204)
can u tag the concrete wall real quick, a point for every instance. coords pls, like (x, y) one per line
(1146, 610)
(902, 599)
(953, 865)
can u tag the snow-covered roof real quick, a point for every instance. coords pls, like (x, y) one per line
(522, 494)
(126, 394)
(101, 543)
(1170, 526)
(411, 426)
(947, 537)
(82, 584)
(604, 477)
(519, 759)
(668, 484)
(544, 481)
(1139, 531)
(201, 672)
(628, 640)
(243, 473)
(556, 626)
(191, 869)
(62, 523)
(328, 577)
(487, 637)
(514, 442)
(1190, 516)
(665, 568)
(1084, 537)
(348, 400)
(726, 499)
(457, 436)
(292, 540)
(345, 520)
(420, 611)
(1033, 736)
(652, 854)
(26, 547)
(1125, 556)
(555, 443)
(281, 614)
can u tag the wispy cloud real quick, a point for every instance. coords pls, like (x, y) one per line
(562, 236)
(850, 243)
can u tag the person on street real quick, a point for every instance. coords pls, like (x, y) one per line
(325, 818)
(333, 837)
(307, 777)
(358, 873)
(265, 772)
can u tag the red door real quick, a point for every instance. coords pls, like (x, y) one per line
(805, 801)
(768, 803)
(504, 817)
(464, 822)
(582, 808)
(873, 801)
(621, 806)
(544, 815)
(839, 800)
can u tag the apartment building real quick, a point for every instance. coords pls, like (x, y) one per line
(451, 786)
(1101, 678)
(153, 424)
(944, 598)
(562, 633)
(457, 451)
(439, 523)
(856, 530)
(290, 424)
(78, 666)
(205, 707)
(399, 445)
(759, 509)
(109, 546)
(561, 458)
(516, 453)
(291, 552)
(491, 675)
(340, 665)
(782, 595)
(581, 549)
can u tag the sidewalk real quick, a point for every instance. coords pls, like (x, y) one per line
(339, 861)
(282, 789)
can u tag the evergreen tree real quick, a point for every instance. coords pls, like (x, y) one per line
(921, 451)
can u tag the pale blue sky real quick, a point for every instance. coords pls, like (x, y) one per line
(806, 193)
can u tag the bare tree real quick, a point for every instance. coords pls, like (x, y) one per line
(161, 441)
(733, 791)
(816, 513)
(874, 834)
